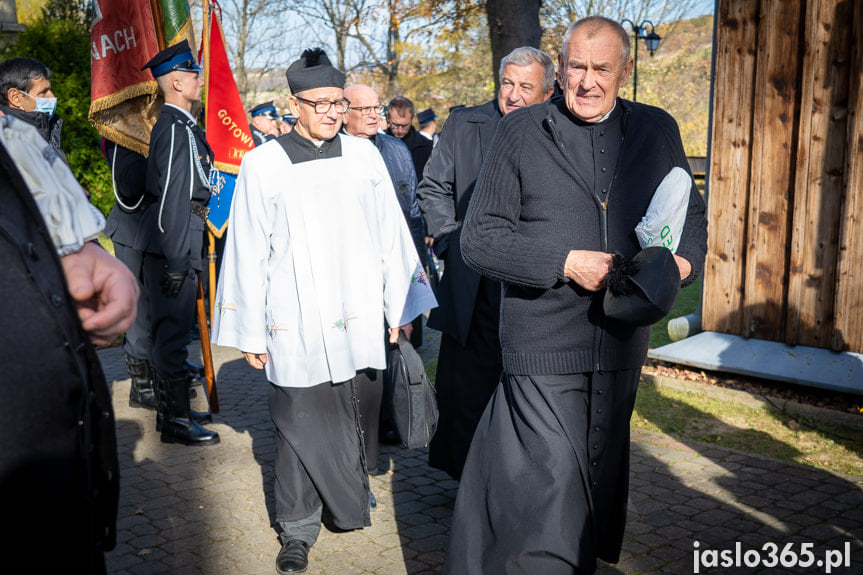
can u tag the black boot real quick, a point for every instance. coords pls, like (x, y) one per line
(199, 417)
(141, 393)
(177, 425)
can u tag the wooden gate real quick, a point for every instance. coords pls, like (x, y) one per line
(785, 181)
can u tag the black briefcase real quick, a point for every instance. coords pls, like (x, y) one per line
(414, 401)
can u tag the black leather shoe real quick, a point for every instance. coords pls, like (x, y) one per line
(199, 417)
(373, 503)
(293, 558)
(187, 432)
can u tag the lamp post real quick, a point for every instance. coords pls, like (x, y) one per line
(651, 39)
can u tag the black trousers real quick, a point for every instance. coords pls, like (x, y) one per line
(136, 341)
(320, 451)
(171, 319)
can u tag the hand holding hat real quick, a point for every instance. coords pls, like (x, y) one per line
(642, 290)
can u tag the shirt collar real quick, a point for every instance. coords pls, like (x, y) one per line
(184, 112)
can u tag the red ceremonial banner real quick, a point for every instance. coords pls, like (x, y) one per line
(123, 39)
(228, 130)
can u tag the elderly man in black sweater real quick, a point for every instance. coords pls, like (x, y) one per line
(564, 185)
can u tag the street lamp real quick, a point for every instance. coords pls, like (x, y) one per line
(651, 39)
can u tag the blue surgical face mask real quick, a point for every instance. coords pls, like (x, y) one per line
(44, 105)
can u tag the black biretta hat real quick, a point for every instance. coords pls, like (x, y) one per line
(176, 57)
(641, 291)
(313, 70)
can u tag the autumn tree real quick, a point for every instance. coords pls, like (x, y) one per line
(557, 15)
(256, 33)
(370, 36)
(512, 24)
(338, 17)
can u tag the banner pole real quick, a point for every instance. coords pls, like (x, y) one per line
(211, 259)
(156, 9)
(211, 247)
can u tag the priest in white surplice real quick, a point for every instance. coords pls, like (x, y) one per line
(317, 257)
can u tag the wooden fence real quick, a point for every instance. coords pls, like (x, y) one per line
(785, 178)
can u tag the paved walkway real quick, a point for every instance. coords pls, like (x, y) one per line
(207, 510)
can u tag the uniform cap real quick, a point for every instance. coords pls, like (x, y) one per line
(426, 116)
(267, 109)
(176, 57)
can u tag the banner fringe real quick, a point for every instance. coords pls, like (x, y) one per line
(218, 232)
(227, 168)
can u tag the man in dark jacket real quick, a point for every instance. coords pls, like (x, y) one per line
(400, 123)
(180, 174)
(25, 92)
(469, 363)
(58, 460)
(566, 183)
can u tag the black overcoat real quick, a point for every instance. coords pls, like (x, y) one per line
(59, 481)
(443, 194)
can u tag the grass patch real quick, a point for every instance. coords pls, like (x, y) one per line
(431, 369)
(687, 302)
(689, 415)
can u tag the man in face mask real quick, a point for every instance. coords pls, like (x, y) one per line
(25, 92)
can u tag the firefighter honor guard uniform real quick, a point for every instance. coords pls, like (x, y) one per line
(180, 177)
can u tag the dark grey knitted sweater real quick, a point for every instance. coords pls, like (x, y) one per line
(537, 198)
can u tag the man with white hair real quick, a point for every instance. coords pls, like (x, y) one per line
(469, 364)
(566, 183)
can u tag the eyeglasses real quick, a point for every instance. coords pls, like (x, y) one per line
(368, 110)
(399, 126)
(323, 106)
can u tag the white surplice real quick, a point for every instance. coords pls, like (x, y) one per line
(317, 255)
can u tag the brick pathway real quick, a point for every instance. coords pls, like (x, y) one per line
(207, 510)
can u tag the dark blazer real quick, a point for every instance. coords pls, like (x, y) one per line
(443, 194)
(58, 451)
(168, 227)
(420, 148)
(260, 137)
(129, 173)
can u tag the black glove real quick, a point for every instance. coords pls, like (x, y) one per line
(171, 282)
